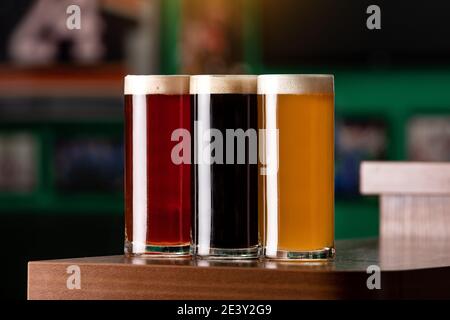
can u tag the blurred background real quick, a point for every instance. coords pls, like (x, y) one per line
(61, 122)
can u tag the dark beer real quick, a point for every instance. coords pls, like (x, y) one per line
(157, 190)
(225, 181)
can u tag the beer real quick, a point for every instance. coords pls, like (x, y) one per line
(157, 190)
(225, 188)
(297, 193)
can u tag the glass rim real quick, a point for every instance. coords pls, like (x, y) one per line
(223, 84)
(296, 84)
(174, 84)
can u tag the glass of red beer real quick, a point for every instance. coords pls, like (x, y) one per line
(157, 188)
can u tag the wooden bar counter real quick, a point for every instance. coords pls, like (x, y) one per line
(409, 269)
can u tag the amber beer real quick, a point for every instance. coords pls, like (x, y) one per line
(296, 198)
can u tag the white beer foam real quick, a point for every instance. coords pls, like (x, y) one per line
(156, 84)
(295, 84)
(223, 84)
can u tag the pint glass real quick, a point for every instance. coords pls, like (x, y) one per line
(225, 180)
(297, 174)
(157, 187)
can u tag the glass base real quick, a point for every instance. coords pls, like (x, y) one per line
(230, 254)
(325, 254)
(154, 251)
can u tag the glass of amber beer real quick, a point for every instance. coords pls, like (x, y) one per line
(157, 189)
(296, 184)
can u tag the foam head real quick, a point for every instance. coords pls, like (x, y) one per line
(295, 84)
(156, 84)
(223, 84)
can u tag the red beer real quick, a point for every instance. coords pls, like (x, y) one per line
(157, 190)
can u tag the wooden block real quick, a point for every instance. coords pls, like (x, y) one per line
(415, 216)
(414, 198)
(406, 272)
(405, 178)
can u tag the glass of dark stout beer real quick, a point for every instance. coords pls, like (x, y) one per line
(225, 170)
(157, 189)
